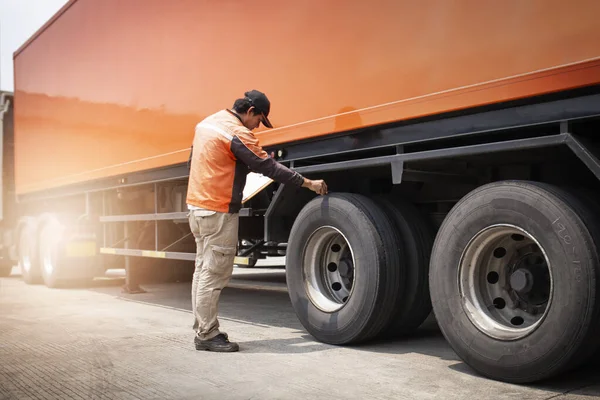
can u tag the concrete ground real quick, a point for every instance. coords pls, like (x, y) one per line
(99, 343)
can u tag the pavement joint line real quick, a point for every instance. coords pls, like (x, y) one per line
(190, 312)
(247, 322)
(257, 287)
(566, 392)
(147, 303)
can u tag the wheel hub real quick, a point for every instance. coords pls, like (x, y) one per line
(328, 269)
(521, 281)
(505, 282)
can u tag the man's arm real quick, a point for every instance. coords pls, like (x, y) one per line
(250, 153)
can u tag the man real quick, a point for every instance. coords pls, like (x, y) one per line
(223, 152)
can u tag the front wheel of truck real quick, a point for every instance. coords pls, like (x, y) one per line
(343, 268)
(514, 281)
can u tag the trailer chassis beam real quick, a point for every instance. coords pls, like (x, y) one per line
(477, 123)
(585, 152)
(471, 150)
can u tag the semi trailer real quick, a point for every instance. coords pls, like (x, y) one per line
(458, 141)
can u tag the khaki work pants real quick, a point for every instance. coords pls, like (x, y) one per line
(216, 242)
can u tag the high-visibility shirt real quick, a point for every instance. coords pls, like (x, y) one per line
(223, 153)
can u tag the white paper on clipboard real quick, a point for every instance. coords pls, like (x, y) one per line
(255, 183)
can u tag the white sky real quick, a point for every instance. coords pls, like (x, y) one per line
(19, 19)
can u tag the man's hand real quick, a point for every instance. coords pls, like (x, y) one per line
(318, 186)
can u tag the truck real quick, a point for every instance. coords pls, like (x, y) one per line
(459, 141)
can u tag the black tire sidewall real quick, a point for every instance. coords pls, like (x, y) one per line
(342, 325)
(565, 240)
(416, 237)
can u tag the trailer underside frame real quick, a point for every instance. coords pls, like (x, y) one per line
(576, 145)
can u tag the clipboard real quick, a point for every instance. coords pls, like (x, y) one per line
(255, 183)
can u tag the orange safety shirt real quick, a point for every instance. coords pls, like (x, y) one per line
(223, 152)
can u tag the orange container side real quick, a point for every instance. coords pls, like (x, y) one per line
(112, 87)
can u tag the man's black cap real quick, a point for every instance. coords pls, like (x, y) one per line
(261, 103)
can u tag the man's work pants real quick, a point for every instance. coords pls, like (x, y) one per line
(216, 237)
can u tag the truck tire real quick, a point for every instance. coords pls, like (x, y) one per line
(592, 203)
(58, 270)
(514, 281)
(343, 268)
(28, 252)
(415, 235)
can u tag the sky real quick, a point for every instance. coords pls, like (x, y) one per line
(19, 19)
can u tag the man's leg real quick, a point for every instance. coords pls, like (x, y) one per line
(217, 267)
(195, 228)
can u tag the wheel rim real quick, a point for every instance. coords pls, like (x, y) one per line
(505, 282)
(328, 269)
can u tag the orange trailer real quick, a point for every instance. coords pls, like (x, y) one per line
(88, 80)
(458, 139)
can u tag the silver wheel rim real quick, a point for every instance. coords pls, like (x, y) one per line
(328, 269)
(505, 282)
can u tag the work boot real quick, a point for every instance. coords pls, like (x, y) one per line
(219, 343)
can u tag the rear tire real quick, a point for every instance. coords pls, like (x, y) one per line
(343, 268)
(524, 245)
(416, 237)
(593, 204)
